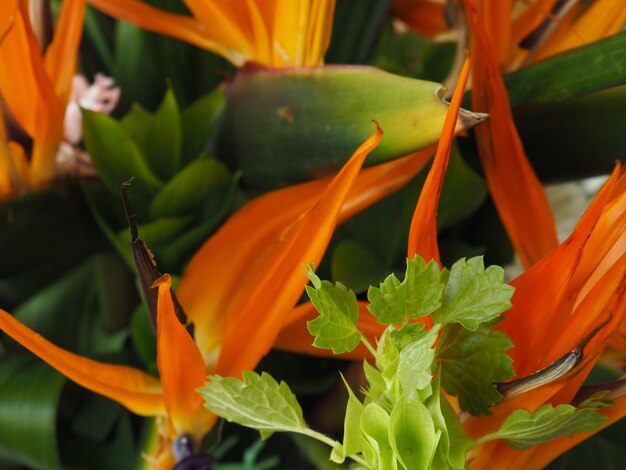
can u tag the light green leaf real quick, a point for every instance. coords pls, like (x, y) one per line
(190, 187)
(453, 443)
(164, 142)
(473, 294)
(417, 295)
(404, 336)
(522, 429)
(412, 434)
(115, 154)
(335, 328)
(376, 381)
(470, 362)
(198, 123)
(257, 402)
(353, 441)
(415, 363)
(375, 424)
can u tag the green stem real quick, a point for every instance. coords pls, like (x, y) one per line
(331, 443)
(368, 345)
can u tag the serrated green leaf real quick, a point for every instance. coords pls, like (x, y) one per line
(335, 328)
(115, 154)
(257, 402)
(417, 295)
(164, 141)
(375, 380)
(522, 429)
(415, 362)
(405, 335)
(190, 187)
(375, 424)
(470, 362)
(412, 434)
(473, 294)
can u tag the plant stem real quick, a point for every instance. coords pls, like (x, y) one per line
(331, 443)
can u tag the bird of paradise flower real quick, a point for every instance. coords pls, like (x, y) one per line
(276, 33)
(38, 98)
(574, 299)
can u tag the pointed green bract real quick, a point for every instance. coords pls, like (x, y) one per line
(412, 434)
(473, 294)
(164, 138)
(352, 437)
(335, 328)
(375, 424)
(257, 402)
(471, 361)
(522, 429)
(417, 295)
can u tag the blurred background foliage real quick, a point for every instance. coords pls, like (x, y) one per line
(66, 265)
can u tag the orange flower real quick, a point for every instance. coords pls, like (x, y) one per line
(35, 88)
(277, 33)
(237, 292)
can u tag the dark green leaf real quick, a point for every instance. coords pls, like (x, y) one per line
(470, 362)
(29, 395)
(199, 121)
(164, 140)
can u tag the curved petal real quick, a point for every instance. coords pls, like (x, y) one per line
(132, 388)
(516, 191)
(216, 270)
(61, 56)
(423, 233)
(181, 368)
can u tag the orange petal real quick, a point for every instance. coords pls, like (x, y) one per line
(30, 98)
(153, 19)
(243, 282)
(425, 17)
(603, 18)
(516, 191)
(62, 53)
(181, 367)
(139, 392)
(423, 233)
(295, 336)
(214, 275)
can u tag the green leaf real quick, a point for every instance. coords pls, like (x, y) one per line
(470, 362)
(522, 429)
(335, 328)
(190, 187)
(199, 121)
(415, 363)
(375, 423)
(115, 154)
(473, 294)
(412, 434)
(352, 437)
(164, 141)
(453, 444)
(257, 402)
(29, 396)
(406, 335)
(137, 123)
(593, 67)
(417, 295)
(355, 266)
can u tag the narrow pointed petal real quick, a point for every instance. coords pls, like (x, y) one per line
(30, 98)
(139, 392)
(181, 368)
(215, 274)
(295, 336)
(153, 19)
(261, 311)
(423, 232)
(243, 282)
(516, 191)
(603, 18)
(61, 56)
